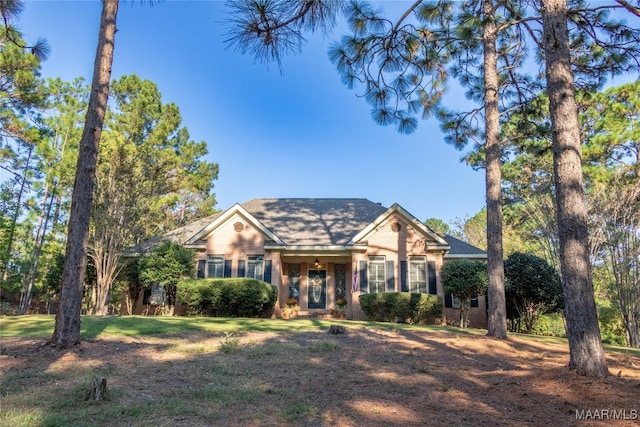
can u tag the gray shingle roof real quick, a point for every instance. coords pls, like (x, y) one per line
(460, 248)
(179, 235)
(301, 221)
(306, 222)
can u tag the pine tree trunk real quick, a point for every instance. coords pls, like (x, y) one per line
(585, 346)
(67, 327)
(497, 316)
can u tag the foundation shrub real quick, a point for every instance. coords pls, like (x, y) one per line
(401, 307)
(428, 309)
(237, 297)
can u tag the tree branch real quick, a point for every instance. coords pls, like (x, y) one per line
(629, 7)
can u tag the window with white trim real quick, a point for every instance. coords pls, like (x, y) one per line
(215, 266)
(377, 276)
(455, 302)
(418, 274)
(255, 267)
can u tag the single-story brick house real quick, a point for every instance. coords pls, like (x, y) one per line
(319, 250)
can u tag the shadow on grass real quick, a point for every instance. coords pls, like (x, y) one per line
(41, 326)
(170, 371)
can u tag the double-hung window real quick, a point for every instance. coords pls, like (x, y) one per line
(377, 276)
(215, 266)
(418, 274)
(255, 267)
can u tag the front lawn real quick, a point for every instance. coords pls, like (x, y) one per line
(167, 371)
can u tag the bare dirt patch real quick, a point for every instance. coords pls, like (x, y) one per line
(366, 376)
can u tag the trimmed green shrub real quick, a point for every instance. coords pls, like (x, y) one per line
(532, 288)
(401, 307)
(237, 297)
(428, 310)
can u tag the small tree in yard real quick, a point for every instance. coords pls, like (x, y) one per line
(533, 287)
(465, 280)
(128, 281)
(167, 265)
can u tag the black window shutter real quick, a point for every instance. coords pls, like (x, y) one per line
(431, 271)
(241, 268)
(448, 301)
(474, 302)
(364, 285)
(404, 285)
(202, 265)
(227, 268)
(391, 280)
(146, 296)
(267, 270)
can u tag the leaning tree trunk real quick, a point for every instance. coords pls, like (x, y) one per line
(67, 327)
(586, 353)
(497, 316)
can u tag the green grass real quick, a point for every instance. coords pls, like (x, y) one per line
(230, 343)
(26, 326)
(41, 326)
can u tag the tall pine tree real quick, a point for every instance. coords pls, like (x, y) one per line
(267, 29)
(67, 327)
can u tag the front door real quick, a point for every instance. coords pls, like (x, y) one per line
(317, 289)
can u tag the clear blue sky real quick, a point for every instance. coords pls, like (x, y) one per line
(301, 134)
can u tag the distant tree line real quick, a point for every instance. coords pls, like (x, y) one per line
(150, 177)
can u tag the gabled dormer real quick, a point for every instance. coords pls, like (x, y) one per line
(396, 224)
(234, 226)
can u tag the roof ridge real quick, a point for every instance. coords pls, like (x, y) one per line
(310, 198)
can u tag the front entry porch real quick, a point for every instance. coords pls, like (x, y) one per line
(315, 285)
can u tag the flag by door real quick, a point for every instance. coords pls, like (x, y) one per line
(354, 280)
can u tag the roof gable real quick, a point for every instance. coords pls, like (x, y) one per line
(399, 211)
(225, 216)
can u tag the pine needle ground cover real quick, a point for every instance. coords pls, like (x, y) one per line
(250, 372)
